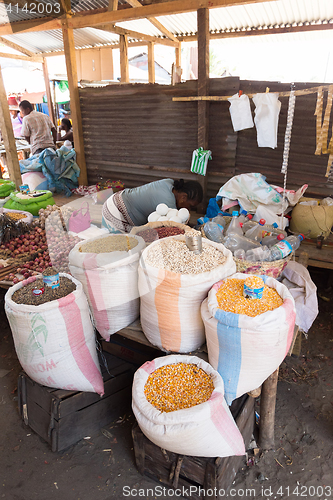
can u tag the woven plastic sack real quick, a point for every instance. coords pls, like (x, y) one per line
(55, 342)
(246, 350)
(28, 203)
(170, 302)
(110, 282)
(312, 220)
(205, 430)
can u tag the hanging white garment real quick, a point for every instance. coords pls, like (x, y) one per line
(240, 112)
(266, 118)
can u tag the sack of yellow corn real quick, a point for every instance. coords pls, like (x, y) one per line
(197, 421)
(247, 339)
(173, 282)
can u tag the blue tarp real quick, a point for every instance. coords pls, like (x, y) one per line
(59, 167)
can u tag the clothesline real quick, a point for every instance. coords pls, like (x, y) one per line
(312, 90)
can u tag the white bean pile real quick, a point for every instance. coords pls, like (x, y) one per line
(174, 256)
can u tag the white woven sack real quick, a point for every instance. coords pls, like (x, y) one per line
(170, 302)
(205, 430)
(55, 342)
(246, 350)
(110, 281)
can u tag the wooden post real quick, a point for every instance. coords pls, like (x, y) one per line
(48, 92)
(69, 50)
(203, 86)
(151, 63)
(176, 68)
(267, 411)
(8, 137)
(124, 75)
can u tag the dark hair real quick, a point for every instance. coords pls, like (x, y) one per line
(193, 189)
(26, 105)
(66, 122)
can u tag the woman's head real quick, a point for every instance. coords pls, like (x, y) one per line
(66, 124)
(188, 194)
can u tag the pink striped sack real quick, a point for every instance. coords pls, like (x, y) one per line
(110, 282)
(205, 430)
(170, 302)
(55, 342)
(246, 350)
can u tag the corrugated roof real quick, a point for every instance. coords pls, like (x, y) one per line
(235, 18)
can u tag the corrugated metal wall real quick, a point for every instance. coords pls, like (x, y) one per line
(137, 134)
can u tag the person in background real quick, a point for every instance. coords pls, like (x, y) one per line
(16, 121)
(131, 207)
(37, 129)
(66, 126)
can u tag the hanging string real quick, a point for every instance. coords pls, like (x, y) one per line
(286, 149)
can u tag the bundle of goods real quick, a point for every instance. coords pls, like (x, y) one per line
(6, 187)
(54, 339)
(313, 217)
(179, 404)
(249, 324)
(173, 281)
(153, 231)
(31, 201)
(107, 267)
(163, 213)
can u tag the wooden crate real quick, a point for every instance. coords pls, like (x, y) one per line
(62, 417)
(182, 472)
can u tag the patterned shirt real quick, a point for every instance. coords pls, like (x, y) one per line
(38, 127)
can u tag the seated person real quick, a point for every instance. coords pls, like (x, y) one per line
(37, 128)
(66, 126)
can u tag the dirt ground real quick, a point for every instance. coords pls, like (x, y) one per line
(103, 467)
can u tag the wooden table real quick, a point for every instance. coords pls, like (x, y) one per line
(131, 344)
(314, 256)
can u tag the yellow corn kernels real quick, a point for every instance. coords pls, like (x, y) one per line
(177, 386)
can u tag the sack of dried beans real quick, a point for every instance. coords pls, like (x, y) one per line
(179, 404)
(55, 341)
(107, 267)
(173, 282)
(153, 231)
(247, 338)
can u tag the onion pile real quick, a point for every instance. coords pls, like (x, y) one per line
(64, 214)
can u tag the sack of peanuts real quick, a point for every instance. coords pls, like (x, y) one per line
(55, 341)
(173, 282)
(107, 267)
(179, 404)
(249, 329)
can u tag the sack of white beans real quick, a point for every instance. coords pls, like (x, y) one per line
(173, 282)
(55, 342)
(246, 350)
(205, 430)
(107, 267)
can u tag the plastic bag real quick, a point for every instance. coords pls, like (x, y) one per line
(267, 118)
(80, 219)
(240, 112)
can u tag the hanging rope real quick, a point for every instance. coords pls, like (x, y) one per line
(286, 149)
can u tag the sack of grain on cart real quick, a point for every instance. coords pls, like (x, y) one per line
(249, 324)
(173, 282)
(54, 339)
(107, 267)
(179, 404)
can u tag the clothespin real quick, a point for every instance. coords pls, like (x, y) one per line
(267, 90)
(240, 93)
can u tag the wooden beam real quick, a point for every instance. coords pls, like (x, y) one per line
(8, 137)
(203, 86)
(151, 63)
(148, 11)
(154, 22)
(33, 25)
(14, 46)
(267, 411)
(124, 74)
(37, 59)
(48, 93)
(259, 32)
(113, 5)
(76, 118)
(111, 28)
